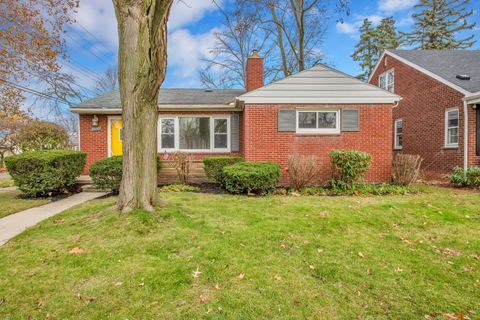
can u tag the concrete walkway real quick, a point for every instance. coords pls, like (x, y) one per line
(16, 223)
(7, 189)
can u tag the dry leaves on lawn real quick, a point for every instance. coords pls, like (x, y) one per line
(196, 273)
(76, 250)
(241, 276)
(204, 298)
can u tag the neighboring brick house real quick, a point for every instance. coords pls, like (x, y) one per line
(437, 117)
(309, 113)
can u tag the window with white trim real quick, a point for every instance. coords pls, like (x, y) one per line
(318, 121)
(398, 134)
(451, 127)
(194, 133)
(386, 81)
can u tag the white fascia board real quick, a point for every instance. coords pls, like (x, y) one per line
(316, 100)
(95, 111)
(473, 98)
(172, 107)
(423, 70)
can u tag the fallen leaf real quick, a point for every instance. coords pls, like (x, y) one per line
(398, 269)
(278, 278)
(323, 214)
(142, 284)
(361, 255)
(311, 267)
(217, 287)
(451, 252)
(319, 250)
(118, 284)
(196, 273)
(209, 310)
(240, 276)
(181, 303)
(306, 242)
(204, 298)
(76, 250)
(39, 303)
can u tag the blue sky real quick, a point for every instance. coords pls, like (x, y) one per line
(92, 42)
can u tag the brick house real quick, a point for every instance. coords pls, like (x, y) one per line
(437, 117)
(310, 113)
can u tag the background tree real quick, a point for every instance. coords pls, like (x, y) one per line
(373, 41)
(142, 60)
(242, 32)
(8, 141)
(438, 24)
(30, 40)
(108, 81)
(41, 135)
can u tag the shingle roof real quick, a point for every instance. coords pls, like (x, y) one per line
(320, 85)
(447, 64)
(180, 97)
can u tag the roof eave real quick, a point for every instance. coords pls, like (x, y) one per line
(165, 107)
(473, 98)
(317, 101)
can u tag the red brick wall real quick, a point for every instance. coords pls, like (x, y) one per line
(422, 108)
(94, 143)
(254, 72)
(263, 142)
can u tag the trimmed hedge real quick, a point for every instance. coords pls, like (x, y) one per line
(213, 167)
(107, 173)
(251, 177)
(349, 167)
(47, 172)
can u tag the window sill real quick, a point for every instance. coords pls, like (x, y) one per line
(397, 149)
(312, 134)
(450, 147)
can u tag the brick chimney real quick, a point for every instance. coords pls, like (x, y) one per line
(254, 71)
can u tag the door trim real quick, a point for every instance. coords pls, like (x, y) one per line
(109, 135)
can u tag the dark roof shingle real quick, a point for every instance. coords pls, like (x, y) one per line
(180, 97)
(447, 64)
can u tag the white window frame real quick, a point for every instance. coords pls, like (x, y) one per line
(389, 80)
(177, 134)
(447, 144)
(396, 146)
(336, 130)
(109, 133)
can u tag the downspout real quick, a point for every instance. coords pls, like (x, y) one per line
(465, 135)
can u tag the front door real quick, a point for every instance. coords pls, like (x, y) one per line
(116, 128)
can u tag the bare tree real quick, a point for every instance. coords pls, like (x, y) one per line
(142, 28)
(108, 81)
(8, 142)
(242, 32)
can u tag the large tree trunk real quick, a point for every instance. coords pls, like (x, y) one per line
(142, 29)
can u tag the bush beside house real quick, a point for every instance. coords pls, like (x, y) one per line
(465, 178)
(47, 172)
(251, 177)
(214, 166)
(348, 167)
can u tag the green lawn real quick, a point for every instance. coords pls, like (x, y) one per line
(6, 183)
(11, 203)
(234, 257)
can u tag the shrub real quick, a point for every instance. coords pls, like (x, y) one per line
(182, 162)
(251, 177)
(406, 169)
(302, 171)
(107, 173)
(47, 172)
(349, 167)
(179, 188)
(469, 178)
(42, 135)
(213, 167)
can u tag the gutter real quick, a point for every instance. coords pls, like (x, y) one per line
(164, 108)
(465, 135)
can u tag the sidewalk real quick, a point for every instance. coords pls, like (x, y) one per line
(16, 223)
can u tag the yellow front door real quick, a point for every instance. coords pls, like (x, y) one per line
(116, 137)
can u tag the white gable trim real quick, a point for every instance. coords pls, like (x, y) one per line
(423, 70)
(473, 98)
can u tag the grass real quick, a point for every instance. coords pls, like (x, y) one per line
(11, 203)
(6, 183)
(392, 257)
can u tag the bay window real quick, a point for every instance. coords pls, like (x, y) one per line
(318, 121)
(194, 133)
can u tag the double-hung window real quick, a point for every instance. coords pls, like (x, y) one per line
(194, 133)
(398, 134)
(451, 128)
(318, 121)
(386, 81)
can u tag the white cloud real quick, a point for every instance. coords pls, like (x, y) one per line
(346, 27)
(189, 11)
(352, 27)
(186, 51)
(396, 5)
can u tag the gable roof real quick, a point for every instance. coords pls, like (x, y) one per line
(319, 85)
(445, 65)
(167, 98)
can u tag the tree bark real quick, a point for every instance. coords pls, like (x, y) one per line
(142, 61)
